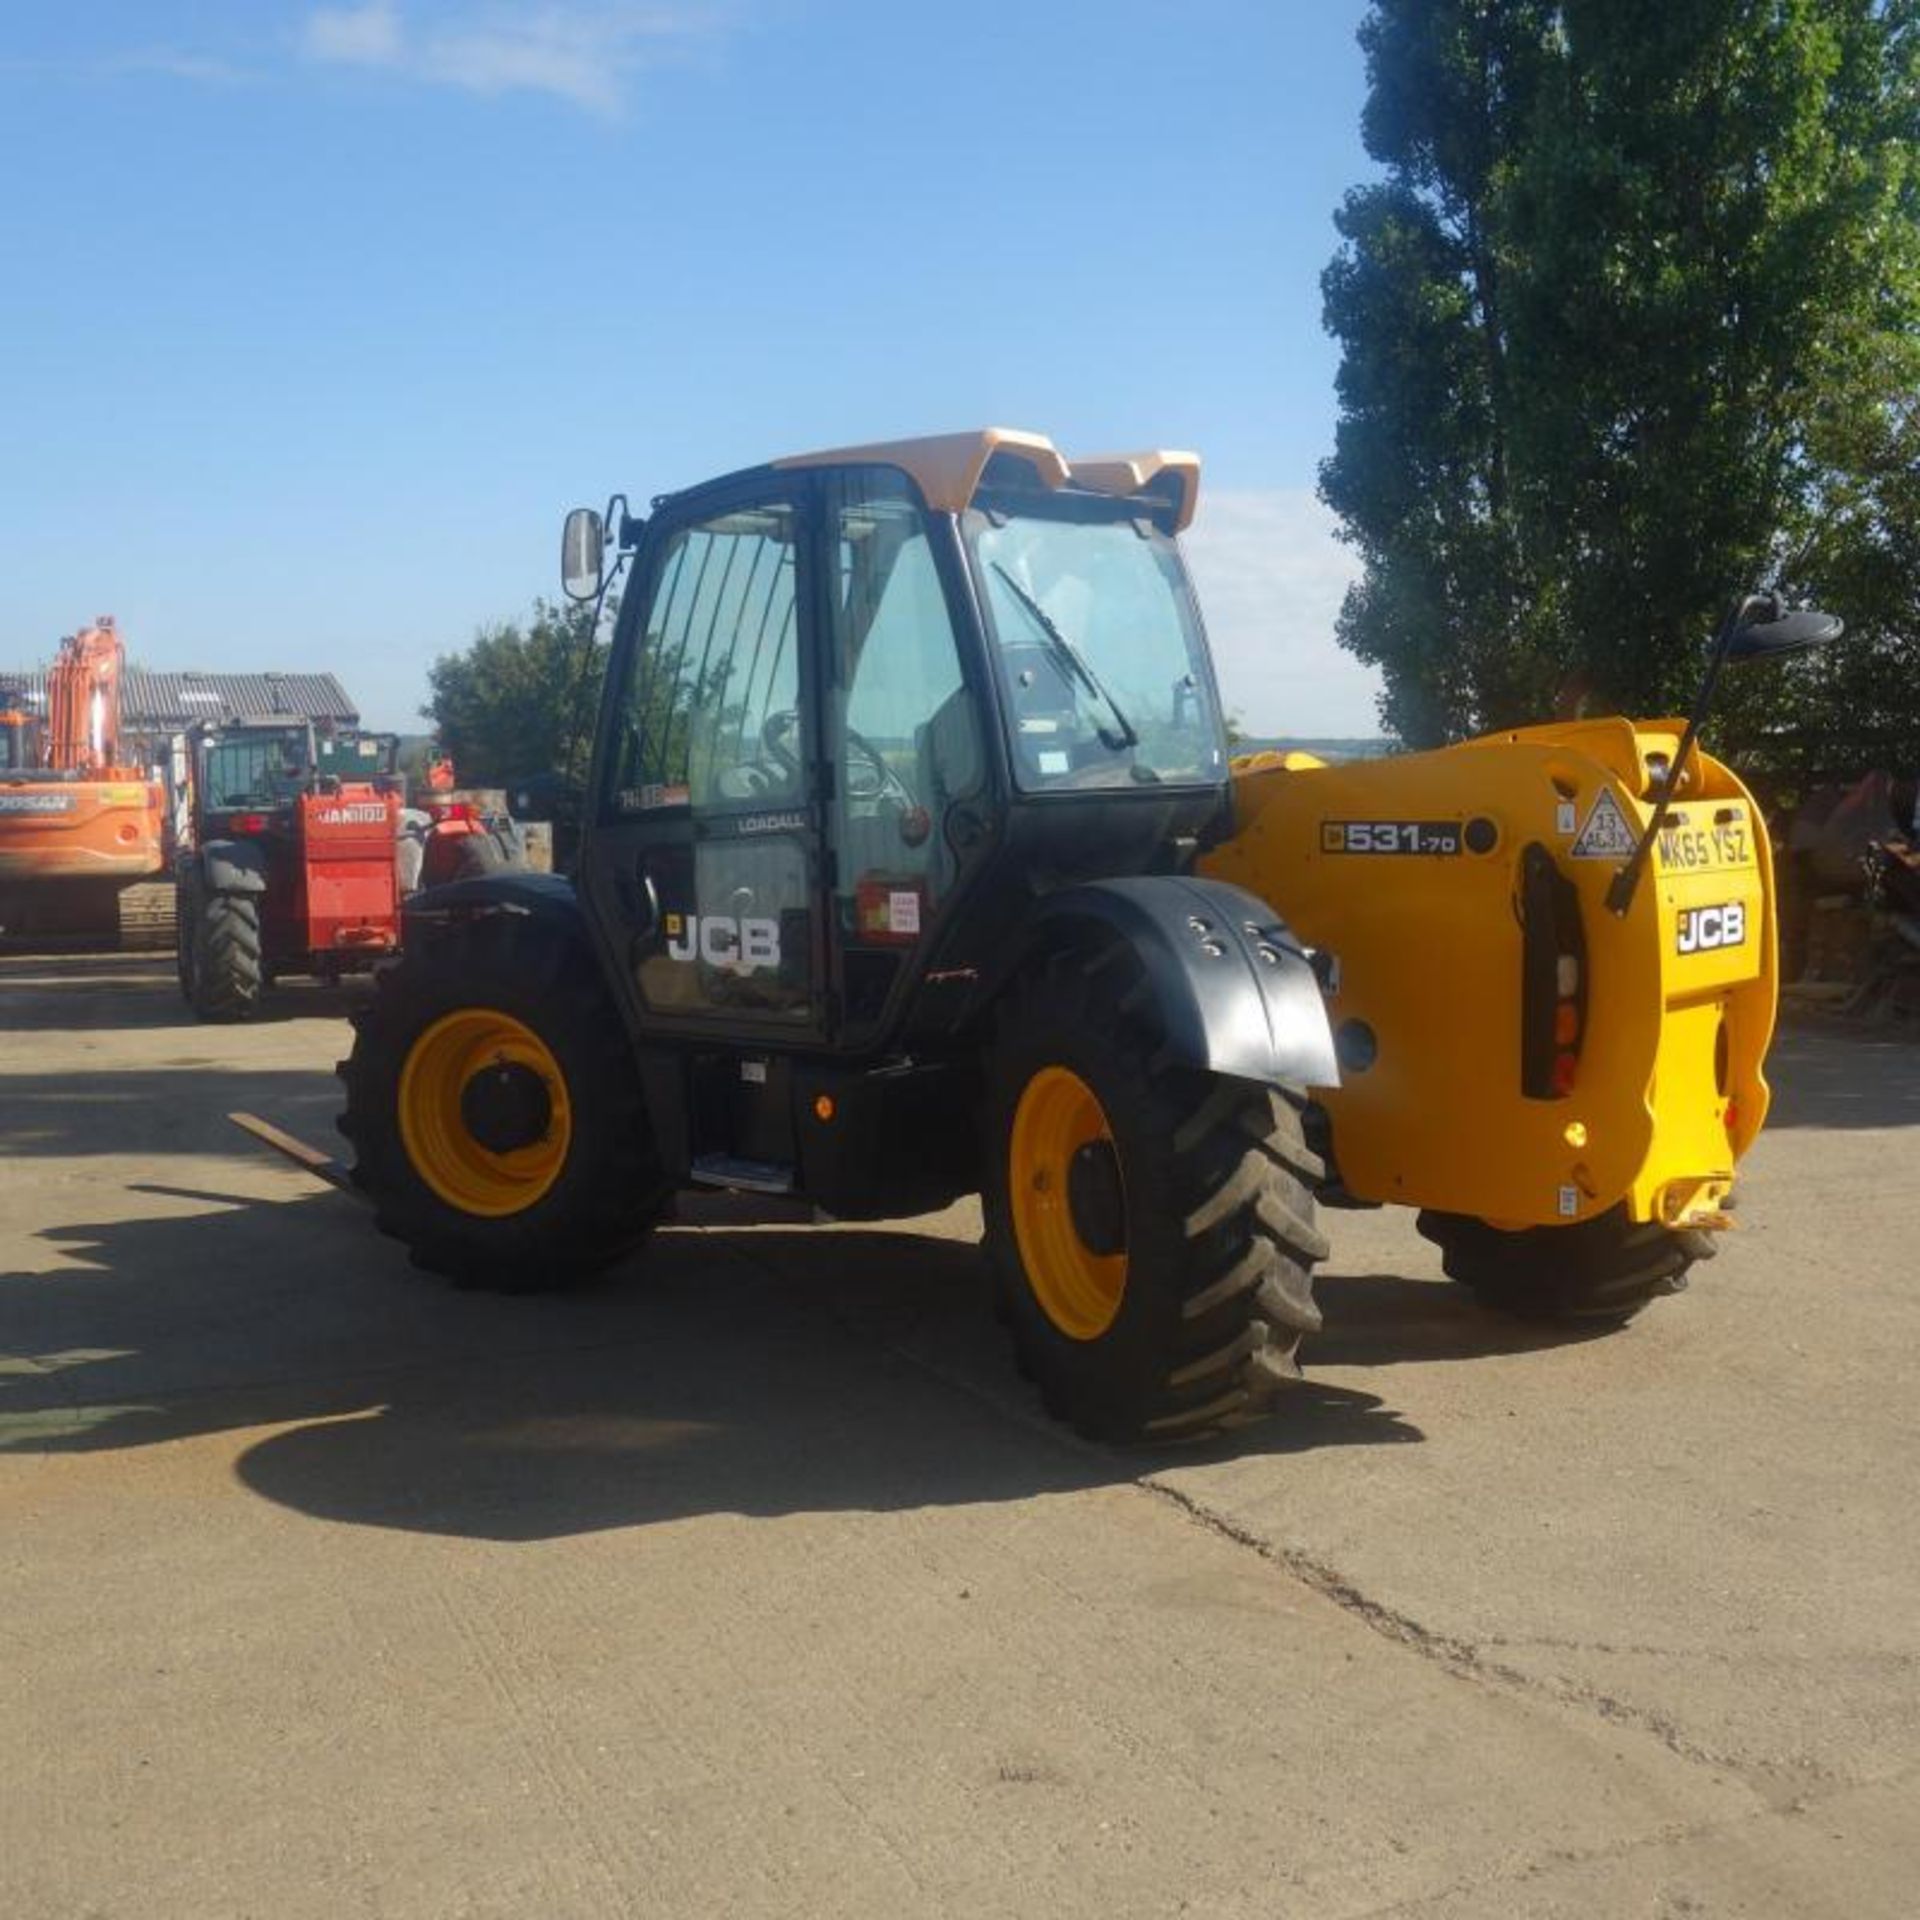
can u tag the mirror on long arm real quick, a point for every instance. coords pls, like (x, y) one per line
(583, 542)
(1783, 630)
(1763, 627)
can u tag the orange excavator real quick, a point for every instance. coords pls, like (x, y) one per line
(82, 833)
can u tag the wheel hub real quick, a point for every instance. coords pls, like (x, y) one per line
(506, 1105)
(1095, 1202)
(483, 1111)
(1067, 1196)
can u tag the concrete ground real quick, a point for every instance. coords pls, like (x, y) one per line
(756, 1584)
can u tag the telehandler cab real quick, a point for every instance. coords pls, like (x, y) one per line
(296, 855)
(913, 865)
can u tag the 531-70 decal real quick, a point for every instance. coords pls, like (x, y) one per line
(1389, 836)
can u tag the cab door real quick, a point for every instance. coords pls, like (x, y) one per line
(703, 856)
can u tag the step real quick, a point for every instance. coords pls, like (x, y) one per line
(748, 1176)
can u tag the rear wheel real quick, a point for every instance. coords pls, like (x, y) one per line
(1602, 1269)
(186, 926)
(146, 917)
(225, 971)
(1150, 1227)
(495, 1110)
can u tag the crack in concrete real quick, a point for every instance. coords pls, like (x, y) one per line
(1557, 1859)
(1777, 1786)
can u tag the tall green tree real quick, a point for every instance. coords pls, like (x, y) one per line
(521, 699)
(1633, 313)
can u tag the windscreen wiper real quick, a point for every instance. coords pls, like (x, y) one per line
(1076, 663)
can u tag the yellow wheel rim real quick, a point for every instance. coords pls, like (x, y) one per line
(458, 1168)
(1078, 1289)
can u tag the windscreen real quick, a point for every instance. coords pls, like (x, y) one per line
(255, 769)
(1099, 648)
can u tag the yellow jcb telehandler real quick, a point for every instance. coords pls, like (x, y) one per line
(914, 865)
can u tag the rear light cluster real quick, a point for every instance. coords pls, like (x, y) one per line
(1553, 985)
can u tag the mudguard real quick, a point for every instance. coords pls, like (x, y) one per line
(1236, 992)
(233, 866)
(541, 896)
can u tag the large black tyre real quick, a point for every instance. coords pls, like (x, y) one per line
(1605, 1269)
(186, 925)
(227, 973)
(1212, 1209)
(604, 1187)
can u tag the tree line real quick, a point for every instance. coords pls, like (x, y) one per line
(1630, 324)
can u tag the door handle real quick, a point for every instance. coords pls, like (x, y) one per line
(647, 918)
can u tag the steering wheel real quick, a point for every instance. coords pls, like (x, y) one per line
(868, 776)
(780, 735)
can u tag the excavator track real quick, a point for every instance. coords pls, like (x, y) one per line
(146, 915)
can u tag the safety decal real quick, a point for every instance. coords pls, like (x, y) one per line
(1566, 817)
(1606, 836)
(652, 797)
(1704, 929)
(1389, 836)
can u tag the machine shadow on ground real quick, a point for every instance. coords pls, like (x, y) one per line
(730, 1369)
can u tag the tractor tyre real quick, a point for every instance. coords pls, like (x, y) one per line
(1605, 1269)
(495, 1110)
(226, 969)
(1150, 1227)
(186, 926)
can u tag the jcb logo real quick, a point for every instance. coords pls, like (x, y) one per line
(741, 946)
(1702, 929)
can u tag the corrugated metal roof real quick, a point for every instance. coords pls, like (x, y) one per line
(161, 703)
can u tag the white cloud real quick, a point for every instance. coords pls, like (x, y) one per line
(202, 69)
(582, 53)
(1271, 573)
(365, 36)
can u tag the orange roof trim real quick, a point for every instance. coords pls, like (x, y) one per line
(946, 467)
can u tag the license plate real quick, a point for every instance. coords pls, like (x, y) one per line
(1707, 848)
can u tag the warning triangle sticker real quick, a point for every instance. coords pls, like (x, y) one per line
(1606, 836)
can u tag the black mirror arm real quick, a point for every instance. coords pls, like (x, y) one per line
(1626, 882)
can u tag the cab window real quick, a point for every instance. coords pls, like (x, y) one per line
(902, 728)
(711, 716)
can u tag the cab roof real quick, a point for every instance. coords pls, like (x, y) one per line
(948, 468)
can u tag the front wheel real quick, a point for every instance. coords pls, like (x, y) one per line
(186, 926)
(1150, 1227)
(224, 969)
(1605, 1269)
(495, 1109)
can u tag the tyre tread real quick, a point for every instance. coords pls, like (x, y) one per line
(1235, 1273)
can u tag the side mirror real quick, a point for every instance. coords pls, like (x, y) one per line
(583, 545)
(1777, 632)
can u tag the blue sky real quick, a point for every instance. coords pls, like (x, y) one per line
(314, 319)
